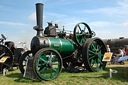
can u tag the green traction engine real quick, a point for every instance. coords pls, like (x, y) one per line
(50, 50)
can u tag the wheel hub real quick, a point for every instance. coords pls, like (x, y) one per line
(49, 64)
(98, 54)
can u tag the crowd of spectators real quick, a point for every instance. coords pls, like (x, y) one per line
(121, 53)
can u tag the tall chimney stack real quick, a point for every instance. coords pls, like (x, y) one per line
(39, 17)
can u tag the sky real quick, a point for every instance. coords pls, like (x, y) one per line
(109, 19)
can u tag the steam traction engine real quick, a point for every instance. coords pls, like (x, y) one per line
(9, 55)
(51, 50)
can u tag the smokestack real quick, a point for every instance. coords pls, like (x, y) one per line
(39, 17)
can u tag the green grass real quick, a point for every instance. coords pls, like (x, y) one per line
(65, 78)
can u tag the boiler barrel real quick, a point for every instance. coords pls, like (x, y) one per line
(61, 45)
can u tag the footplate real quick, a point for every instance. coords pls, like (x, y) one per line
(29, 69)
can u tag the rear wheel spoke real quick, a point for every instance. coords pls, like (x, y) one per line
(91, 57)
(54, 69)
(56, 64)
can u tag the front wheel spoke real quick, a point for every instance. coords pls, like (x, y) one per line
(43, 60)
(43, 69)
(45, 73)
(43, 64)
(53, 59)
(51, 56)
(39, 64)
(51, 71)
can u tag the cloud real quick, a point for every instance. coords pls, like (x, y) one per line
(11, 23)
(125, 24)
(123, 3)
(33, 16)
(120, 9)
(100, 23)
(56, 15)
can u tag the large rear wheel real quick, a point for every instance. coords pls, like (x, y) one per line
(92, 53)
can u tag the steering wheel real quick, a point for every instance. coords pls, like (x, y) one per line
(81, 33)
(3, 37)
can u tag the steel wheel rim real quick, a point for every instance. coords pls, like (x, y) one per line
(48, 65)
(93, 56)
(80, 34)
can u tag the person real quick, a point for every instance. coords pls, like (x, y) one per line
(125, 56)
(108, 49)
(120, 54)
(126, 50)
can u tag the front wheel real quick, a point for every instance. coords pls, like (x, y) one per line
(47, 64)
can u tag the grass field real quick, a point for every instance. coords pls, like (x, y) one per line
(65, 78)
